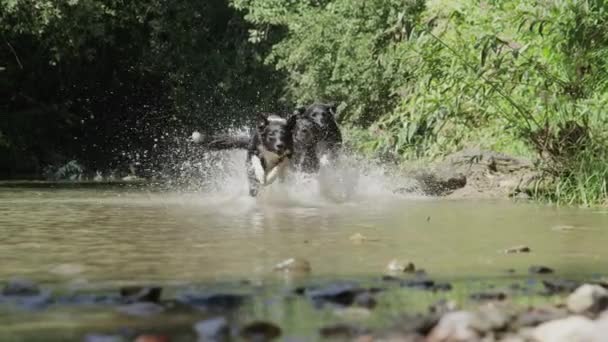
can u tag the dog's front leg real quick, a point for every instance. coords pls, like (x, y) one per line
(252, 174)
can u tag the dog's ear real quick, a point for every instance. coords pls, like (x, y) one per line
(291, 123)
(262, 122)
(299, 110)
(333, 108)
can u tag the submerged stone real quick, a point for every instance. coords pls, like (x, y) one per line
(294, 265)
(103, 338)
(342, 294)
(20, 287)
(216, 301)
(143, 309)
(141, 294)
(25, 294)
(400, 267)
(260, 331)
(538, 269)
(554, 286)
(518, 249)
(489, 296)
(215, 329)
(341, 331)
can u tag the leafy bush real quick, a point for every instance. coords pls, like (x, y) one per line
(433, 77)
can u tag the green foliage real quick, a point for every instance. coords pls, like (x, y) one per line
(90, 79)
(433, 77)
(340, 50)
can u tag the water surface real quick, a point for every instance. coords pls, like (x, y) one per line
(117, 234)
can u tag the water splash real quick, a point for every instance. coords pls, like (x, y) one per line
(221, 176)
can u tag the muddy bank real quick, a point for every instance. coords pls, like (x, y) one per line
(475, 173)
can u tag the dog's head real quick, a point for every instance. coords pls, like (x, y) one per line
(306, 132)
(276, 133)
(321, 114)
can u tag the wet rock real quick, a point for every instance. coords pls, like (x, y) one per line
(359, 238)
(489, 296)
(420, 283)
(352, 313)
(103, 338)
(152, 338)
(536, 316)
(398, 266)
(493, 317)
(418, 324)
(390, 278)
(215, 329)
(555, 286)
(443, 306)
(588, 298)
(538, 269)
(25, 295)
(132, 294)
(20, 287)
(88, 299)
(440, 182)
(143, 309)
(455, 326)
(365, 300)
(341, 294)
(340, 331)
(213, 302)
(574, 328)
(260, 331)
(518, 249)
(294, 265)
(67, 269)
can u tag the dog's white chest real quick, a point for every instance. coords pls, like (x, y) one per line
(274, 167)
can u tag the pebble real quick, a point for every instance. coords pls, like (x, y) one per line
(518, 249)
(214, 329)
(260, 331)
(591, 299)
(537, 269)
(397, 266)
(294, 265)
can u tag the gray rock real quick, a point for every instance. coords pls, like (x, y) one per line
(215, 329)
(518, 249)
(538, 269)
(591, 299)
(142, 309)
(260, 331)
(103, 338)
(455, 326)
(573, 328)
(537, 316)
(20, 287)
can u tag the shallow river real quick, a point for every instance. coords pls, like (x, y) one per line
(101, 237)
(120, 234)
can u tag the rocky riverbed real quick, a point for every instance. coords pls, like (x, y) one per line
(406, 304)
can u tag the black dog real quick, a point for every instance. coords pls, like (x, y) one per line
(327, 139)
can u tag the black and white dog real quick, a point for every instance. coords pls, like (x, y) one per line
(302, 142)
(269, 151)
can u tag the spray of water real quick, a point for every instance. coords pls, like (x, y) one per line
(220, 176)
